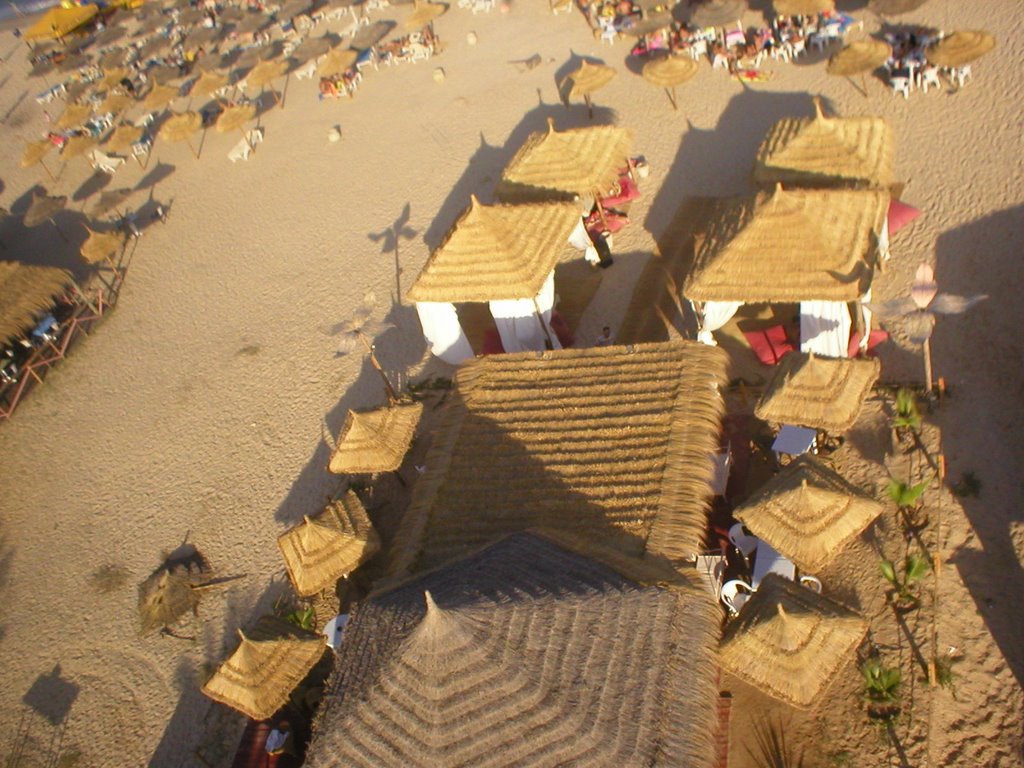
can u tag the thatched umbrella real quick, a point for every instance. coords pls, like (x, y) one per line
(670, 71)
(895, 7)
(424, 13)
(112, 77)
(233, 14)
(109, 201)
(859, 58)
(264, 73)
(197, 38)
(154, 48)
(26, 292)
(160, 96)
(111, 34)
(960, 48)
(337, 61)
(152, 24)
(375, 441)
(650, 24)
(808, 512)
(789, 641)
(802, 7)
(74, 61)
(101, 246)
(191, 16)
(113, 59)
(123, 137)
(74, 115)
(718, 13)
(583, 81)
(208, 84)
(116, 103)
(367, 37)
(34, 153)
(43, 208)
(180, 127)
(328, 546)
(77, 146)
(818, 392)
(172, 590)
(293, 8)
(265, 668)
(313, 48)
(234, 118)
(163, 75)
(827, 151)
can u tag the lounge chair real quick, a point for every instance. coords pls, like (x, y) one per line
(101, 161)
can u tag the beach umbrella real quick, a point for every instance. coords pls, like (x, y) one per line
(191, 16)
(232, 14)
(101, 246)
(329, 546)
(112, 77)
(803, 7)
(74, 91)
(337, 61)
(234, 118)
(181, 126)
(112, 59)
(74, 115)
(789, 641)
(164, 74)
(270, 51)
(376, 441)
(249, 58)
(367, 37)
(34, 153)
(670, 71)
(159, 97)
(154, 48)
(268, 664)
(423, 14)
(252, 23)
(583, 81)
(960, 48)
(650, 25)
(43, 208)
(208, 84)
(77, 146)
(895, 7)
(293, 8)
(172, 590)
(109, 201)
(808, 512)
(116, 103)
(718, 13)
(313, 48)
(264, 73)
(197, 38)
(42, 68)
(75, 61)
(859, 58)
(123, 137)
(152, 24)
(208, 62)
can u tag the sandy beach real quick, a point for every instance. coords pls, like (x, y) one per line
(198, 409)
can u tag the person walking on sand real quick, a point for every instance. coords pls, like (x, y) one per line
(606, 339)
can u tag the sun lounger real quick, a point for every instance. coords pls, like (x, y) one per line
(101, 161)
(769, 344)
(245, 147)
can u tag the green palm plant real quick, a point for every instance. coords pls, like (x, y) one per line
(904, 592)
(907, 417)
(881, 689)
(907, 498)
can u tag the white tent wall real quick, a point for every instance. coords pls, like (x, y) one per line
(825, 328)
(525, 324)
(443, 332)
(712, 316)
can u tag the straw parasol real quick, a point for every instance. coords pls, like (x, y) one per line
(556, 439)
(154, 48)
(515, 654)
(112, 59)
(808, 512)
(116, 103)
(190, 16)
(264, 73)
(718, 13)
(43, 208)
(375, 441)
(110, 200)
(111, 34)
(818, 392)
(367, 37)
(670, 71)
(497, 252)
(74, 115)
(895, 7)
(789, 246)
(58, 22)
(197, 38)
(293, 8)
(802, 7)
(827, 151)
(123, 137)
(268, 664)
(101, 246)
(313, 48)
(583, 81)
(34, 153)
(77, 146)
(565, 165)
(112, 76)
(208, 84)
(328, 546)
(160, 96)
(960, 48)
(859, 58)
(75, 61)
(424, 13)
(181, 126)
(26, 291)
(337, 61)
(789, 641)
(235, 117)
(163, 75)
(172, 590)
(649, 25)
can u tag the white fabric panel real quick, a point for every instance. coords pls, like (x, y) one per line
(714, 316)
(883, 242)
(824, 328)
(443, 332)
(519, 324)
(866, 315)
(579, 239)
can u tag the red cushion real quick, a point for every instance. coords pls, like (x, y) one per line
(901, 214)
(769, 344)
(492, 343)
(875, 338)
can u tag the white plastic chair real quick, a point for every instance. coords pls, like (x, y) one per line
(698, 48)
(743, 541)
(813, 583)
(735, 594)
(608, 32)
(960, 75)
(900, 85)
(929, 76)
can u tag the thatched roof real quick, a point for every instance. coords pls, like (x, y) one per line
(525, 653)
(820, 392)
(827, 151)
(497, 252)
(808, 512)
(611, 443)
(25, 293)
(563, 165)
(586, 79)
(328, 546)
(101, 246)
(789, 641)
(788, 246)
(375, 441)
(269, 662)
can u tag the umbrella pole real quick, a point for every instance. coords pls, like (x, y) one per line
(284, 91)
(672, 97)
(864, 84)
(245, 138)
(590, 106)
(194, 153)
(67, 240)
(863, 91)
(48, 171)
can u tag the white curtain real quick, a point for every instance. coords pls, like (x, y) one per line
(443, 332)
(714, 315)
(525, 324)
(883, 242)
(579, 239)
(866, 315)
(825, 328)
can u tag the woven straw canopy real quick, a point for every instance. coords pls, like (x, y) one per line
(376, 441)
(819, 392)
(960, 48)
(827, 151)
(587, 79)
(77, 146)
(180, 126)
(116, 103)
(562, 165)
(793, 245)
(670, 71)
(43, 208)
(612, 443)
(313, 48)
(424, 13)
(35, 151)
(208, 83)
(264, 73)
(171, 591)
(160, 97)
(123, 137)
(233, 118)
(101, 246)
(497, 252)
(337, 61)
(861, 56)
(718, 13)
(802, 7)
(789, 641)
(26, 291)
(526, 653)
(74, 115)
(113, 75)
(266, 667)
(329, 546)
(808, 512)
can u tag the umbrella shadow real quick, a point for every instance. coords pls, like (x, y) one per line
(160, 172)
(95, 183)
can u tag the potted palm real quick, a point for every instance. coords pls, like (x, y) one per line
(881, 689)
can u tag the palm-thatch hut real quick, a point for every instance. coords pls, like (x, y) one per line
(268, 664)
(817, 247)
(821, 393)
(375, 441)
(808, 512)
(328, 546)
(526, 653)
(789, 641)
(611, 443)
(26, 292)
(504, 255)
(827, 152)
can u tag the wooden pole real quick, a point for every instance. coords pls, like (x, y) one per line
(672, 98)
(927, 347)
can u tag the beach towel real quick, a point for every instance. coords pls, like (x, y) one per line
(753, 75)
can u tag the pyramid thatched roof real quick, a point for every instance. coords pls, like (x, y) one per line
(789, 641)
(789, 246)
(827, 151)
(375, 441)
(26, 292)
(525, 653)
(497, 252)
(328, 546)
(819, 392)
(611, 443)
(562, 165)
(808, 512)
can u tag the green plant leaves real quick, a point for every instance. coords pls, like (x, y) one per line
(906, 495)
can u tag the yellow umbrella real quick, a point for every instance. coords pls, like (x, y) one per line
(803, 7)
(423, 14)
(336, 62)
(73, 116)
(670, 71)
(960, 48)
(34, 153)
(180, 126)
(585, 80)
(101, 246)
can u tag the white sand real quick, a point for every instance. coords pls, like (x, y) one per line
(197, 407)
